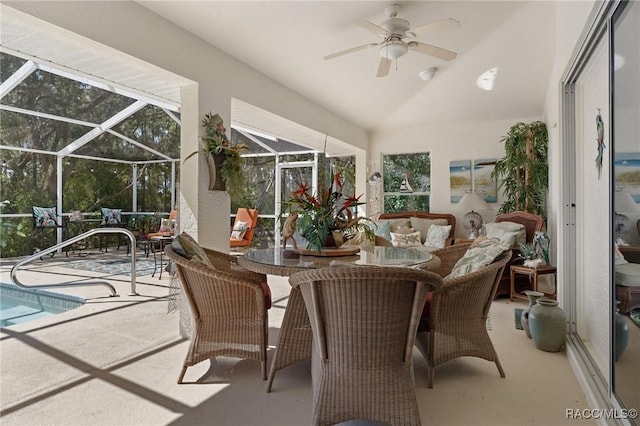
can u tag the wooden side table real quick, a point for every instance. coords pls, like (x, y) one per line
(533, 274)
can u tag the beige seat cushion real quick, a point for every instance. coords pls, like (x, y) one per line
(402, 222)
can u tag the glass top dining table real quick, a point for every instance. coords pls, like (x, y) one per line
(295, 338)
(278, 261)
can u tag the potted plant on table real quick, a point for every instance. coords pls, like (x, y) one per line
(326, 219)
(223, 158)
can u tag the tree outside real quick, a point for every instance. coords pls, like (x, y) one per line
(30, 178)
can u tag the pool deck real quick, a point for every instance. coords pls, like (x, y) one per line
(115, 361)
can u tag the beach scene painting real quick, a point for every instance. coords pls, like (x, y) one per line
(483, 184)
(460, 179)
(627, 173)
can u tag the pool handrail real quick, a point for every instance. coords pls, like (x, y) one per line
(73, 240)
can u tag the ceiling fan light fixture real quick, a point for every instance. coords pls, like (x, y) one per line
(393, 49)
(428, 74)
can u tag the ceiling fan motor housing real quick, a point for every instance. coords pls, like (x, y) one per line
(396, 26)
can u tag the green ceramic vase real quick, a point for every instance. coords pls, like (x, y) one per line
(524, 317)
(548, 325)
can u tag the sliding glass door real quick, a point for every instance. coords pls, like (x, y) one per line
(601, 197)
(626, 189)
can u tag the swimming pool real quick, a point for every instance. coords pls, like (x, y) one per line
(19, 305)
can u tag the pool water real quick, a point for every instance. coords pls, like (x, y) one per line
(19, 305)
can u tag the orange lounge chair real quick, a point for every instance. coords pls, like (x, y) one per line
(167, 229)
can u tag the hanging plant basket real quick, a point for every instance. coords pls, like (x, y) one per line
(224, 163)
(216, 181)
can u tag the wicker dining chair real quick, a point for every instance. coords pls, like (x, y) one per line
(228, 306)
(364, 321)
(456, 324)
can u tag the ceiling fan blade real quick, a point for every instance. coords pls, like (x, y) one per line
(428, 49)
(376, 29)
(433, 27)
(384, 67)
(353, 49)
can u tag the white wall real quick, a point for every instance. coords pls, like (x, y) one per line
(446, 143)
(593, 217)
(571, 18)
(134, 30)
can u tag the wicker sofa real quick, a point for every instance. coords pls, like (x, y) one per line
(531, 222)
(419, 216)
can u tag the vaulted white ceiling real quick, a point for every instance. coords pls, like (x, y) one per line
(287, 41)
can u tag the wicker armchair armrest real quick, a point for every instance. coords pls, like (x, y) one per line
(448, 257)
(229, 264)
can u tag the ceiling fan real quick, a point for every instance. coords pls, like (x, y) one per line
(394, 31)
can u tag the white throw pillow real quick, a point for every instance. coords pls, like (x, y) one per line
(437, 235)
(504, 230)
(239, 229)
(165, 225)
(406, 240)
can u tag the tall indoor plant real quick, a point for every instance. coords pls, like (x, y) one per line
(226, 171)
(523, 173)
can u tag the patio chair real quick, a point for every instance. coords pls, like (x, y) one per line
(167, 226)
(244, 227)
(458, 312)
(45, 220)
(364, 321)
(110, 218)
(228, 307)
(167, 229)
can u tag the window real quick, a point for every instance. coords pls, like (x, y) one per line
(407, 181)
